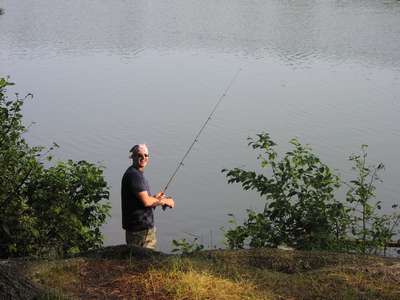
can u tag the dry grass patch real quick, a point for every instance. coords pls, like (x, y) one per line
(193, 284)
(117, 279)
(247, 274)
(310, 275)
(287, 261)
(56, 274)
(378, 280)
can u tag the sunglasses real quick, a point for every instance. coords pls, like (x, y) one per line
(142, 155)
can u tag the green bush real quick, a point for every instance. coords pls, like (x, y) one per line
(186, 247)
(370, 230)
(55, 209)
(301, 210)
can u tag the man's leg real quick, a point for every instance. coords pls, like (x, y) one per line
(144, 238)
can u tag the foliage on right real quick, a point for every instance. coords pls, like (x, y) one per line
(301, 209)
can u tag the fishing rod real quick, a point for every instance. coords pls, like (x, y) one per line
(196, 139)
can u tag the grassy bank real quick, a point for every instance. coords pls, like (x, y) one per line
(118, 273)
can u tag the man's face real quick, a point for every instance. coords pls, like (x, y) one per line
(141, 158)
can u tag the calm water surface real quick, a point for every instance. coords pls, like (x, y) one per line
(109, 74)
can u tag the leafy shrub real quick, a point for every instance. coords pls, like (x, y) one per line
(186, 247)
(370, 230)
(301, 209)
(57, 209)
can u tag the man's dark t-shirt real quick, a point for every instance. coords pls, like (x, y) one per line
(135, 216)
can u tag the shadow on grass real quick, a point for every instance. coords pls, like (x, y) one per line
(309, 275)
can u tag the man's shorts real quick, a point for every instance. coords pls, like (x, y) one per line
(145, 238)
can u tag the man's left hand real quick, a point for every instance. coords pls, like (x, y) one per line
(159, 195)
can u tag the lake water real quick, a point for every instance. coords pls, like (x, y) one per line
(109, 74)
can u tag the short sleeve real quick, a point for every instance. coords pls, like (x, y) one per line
(138, 183)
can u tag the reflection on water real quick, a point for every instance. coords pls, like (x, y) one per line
(107, 74)
(295, 31)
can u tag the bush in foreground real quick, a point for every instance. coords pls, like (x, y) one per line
(54, 209)
(301, 208)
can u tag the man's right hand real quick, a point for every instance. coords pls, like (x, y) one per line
(168, 202)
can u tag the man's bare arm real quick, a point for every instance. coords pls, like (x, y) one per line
(160, 200)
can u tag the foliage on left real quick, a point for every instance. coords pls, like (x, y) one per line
(46, 209)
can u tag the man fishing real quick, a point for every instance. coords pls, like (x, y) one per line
(137, 202)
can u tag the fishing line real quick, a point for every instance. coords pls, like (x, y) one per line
(196, 139)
